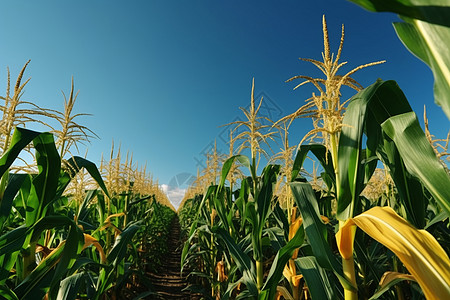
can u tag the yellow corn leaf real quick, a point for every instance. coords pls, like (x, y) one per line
(90, 240)
(345, 238)
(296, 280)
(417, 249)
(45, 250)
(111, 225)
(293, 228)
(114, 216)
(390, 276)
(287, 272)
(281, 290)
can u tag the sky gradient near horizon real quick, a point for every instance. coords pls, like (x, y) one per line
(161, 77)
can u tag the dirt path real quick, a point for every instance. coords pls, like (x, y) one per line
(168, 283)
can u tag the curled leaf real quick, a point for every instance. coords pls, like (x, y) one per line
(417, 249)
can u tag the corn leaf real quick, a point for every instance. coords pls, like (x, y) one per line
(75, 163)
(320, 152)
(428, 42)
(229, 163)
(7, 294)
(350, 156)
(316, 231)
(44, 185)
(36, 285)
(389, 280)
(417, 249)
(10, 244)
(14, 184)
(13, 240)
(264, 197)
(419, 157)
(69, 286)
(20, 139)
(121, 243)
(316, 278)
(409, 188)
(425, 33)
(72, 248)
(383, 100)
(243, 262)
(366, 111)
(435, 12)
(276, 270)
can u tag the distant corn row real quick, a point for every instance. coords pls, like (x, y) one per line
(352, 231)
(69, 230)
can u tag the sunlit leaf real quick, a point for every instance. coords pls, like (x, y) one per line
(425, 33)
(417, 249)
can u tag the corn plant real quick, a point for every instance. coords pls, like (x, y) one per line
(394, 137)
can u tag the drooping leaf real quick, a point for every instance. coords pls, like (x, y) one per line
(388, 280)
(417, 249)
(75, 163)
(425, 33)
(14, 184)
(20, 139)
(419, 157)
(44, 185)
(320, 152)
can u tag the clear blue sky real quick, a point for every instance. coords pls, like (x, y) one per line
(160, 77)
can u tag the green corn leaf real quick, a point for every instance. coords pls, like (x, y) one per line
(121, 243)
(428, 42)
(7, 294)
(316, 231)
(229, 163)
(44, 185)
(72, 248)
(366, 111)
(10, 244)
(75, 163)
(419, 157)
(13, 240)
(243, 262)
(264, 198)
(435, 12)
(36, 285)
(15, 182)
(320, 152)
(49, 222)
(45, 275)
(425, 33)
(369, 109)
(185, 251)
(409, 189)
(20, 139)
(316, 278)
(281, 219)
(84, 210)
(280, 261)
(349, 158)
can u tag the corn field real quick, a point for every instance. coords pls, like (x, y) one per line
(369, 221)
